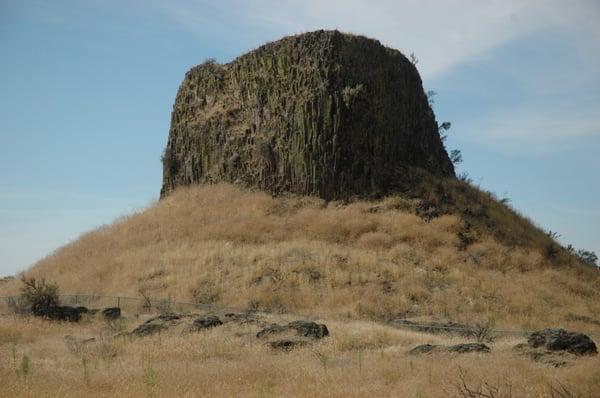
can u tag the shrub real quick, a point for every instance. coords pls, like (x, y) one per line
(587, 257)
(39, 294)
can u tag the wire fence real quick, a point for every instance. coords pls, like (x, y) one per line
(137, 305)
(131, 305)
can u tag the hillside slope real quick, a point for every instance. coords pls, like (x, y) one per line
(397, 257)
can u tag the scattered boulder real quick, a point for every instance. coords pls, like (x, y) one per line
(423, 349)
(206, 322)
(468, 347)
(59, 313)
(307, 332)
(309, 329)
(562, 340)
(457, 348)
(287, 344)
(302, 328)
(165, 318)
(111, 313)
(555, 347)
(243, 318)
(157, 324)
(272, 329)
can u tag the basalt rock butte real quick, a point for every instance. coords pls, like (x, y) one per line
(321, 113)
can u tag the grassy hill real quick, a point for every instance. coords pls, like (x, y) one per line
(444, 248)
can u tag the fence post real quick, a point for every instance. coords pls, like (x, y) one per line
(76, 299)
(119, 302)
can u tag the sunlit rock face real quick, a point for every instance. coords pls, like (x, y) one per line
(321, 113)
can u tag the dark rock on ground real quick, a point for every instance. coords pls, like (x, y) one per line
(301, 328)
(272, 329)
(243, 318)
(468, 347)
(59, 313)
(422, 349)
(321, 113)
(562, 340)
(287, 344)
(165, 318)
(157, 324)
(206, 322)
(457, 348)
(111, 313)
(309, 329)
(82, 309)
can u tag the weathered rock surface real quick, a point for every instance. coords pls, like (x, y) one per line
(423, 349)
(157, 324)
(243, 318)
(301, 328)
(59, 313)
(206, 322)
(111, 313)
(468, 347)
(562, 340)
(146, 329)
(321, 113)
(457, 348)
(309, 329)
(272, 329)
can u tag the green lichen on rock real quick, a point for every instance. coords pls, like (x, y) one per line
(321, 113)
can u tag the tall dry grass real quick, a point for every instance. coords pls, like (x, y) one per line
(358, 359)
(357, 260)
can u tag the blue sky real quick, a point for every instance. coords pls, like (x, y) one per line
(88, 86)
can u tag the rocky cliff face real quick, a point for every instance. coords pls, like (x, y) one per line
(321, 113)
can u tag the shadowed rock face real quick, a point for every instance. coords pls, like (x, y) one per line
(322, 113)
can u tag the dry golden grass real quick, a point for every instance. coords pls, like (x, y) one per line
(362, 260)
(358, 359)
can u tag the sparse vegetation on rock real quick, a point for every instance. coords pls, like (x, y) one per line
(321, 113)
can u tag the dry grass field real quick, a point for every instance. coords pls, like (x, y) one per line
(375, 260)
(358, 359)
(454, 252)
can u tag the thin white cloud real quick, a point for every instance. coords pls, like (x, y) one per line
(442, 34)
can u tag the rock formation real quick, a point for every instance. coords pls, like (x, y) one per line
(321, 113)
